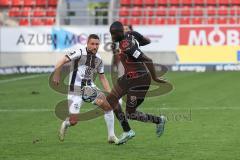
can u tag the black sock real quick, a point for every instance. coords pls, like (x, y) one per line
(122, 118)
(143, 117)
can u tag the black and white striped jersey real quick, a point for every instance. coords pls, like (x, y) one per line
(84, 66)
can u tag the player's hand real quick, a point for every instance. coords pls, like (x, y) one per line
(159, 80)
(56, 79)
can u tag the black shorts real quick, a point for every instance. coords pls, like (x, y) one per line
(134, 85)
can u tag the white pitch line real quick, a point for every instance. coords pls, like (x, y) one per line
(19, 78)
(84, 110)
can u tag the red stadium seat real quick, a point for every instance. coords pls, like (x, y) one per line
(173, 11)
(147, 21)
(125, 2)
(49, 21)
(185, 11)
(185, 20)
(135, 21)
(36, 22)
(41, 2)
(199, 2)
(212, 2)
(222, 20)
(223, 2)
(137, 2)
(17, 2)
(211, 10)
(187, 2)
(51, 12)
(23, 22)
(233, 20)
(171, 20)
(174, 2)
(149, 11)
(233, 10)
(160, 20)
(237, 2)
(198, 11)
(222, 10)
(26, 11)
(211, 20)
(124, 11)
(161, 11)
(162, 2)
(197, 20)
(52, 2)
(39, 12)
(29, 2)
(137, 11)
(150, 2)
(124, 21)
(14, 12)
(5, 3)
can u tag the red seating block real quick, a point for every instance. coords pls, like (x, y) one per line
(137, 2)
(5, 3)
(149, 11)
(23, 22)
(135, 21)
(137, 11)
(199, 2)
(187, 2)
(49, 21)
(17, 2)
(36, 22)
(51, 12)
(29, 2)
(150, 2)
(41, 2)
(52, 2)
(211, 10)
(185, 11)
(161, 11)
(26, 11)
(222, 10)
(39, 12)
(198, 11)
(125, 2)
(124, 11)
(14, 12)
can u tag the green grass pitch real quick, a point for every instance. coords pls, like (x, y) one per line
(203, 113)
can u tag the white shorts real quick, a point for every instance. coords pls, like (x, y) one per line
(75, 101)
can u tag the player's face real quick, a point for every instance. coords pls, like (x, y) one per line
(93, 45)
(126, 29)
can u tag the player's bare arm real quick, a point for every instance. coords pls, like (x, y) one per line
(104, 82)
(58, 68)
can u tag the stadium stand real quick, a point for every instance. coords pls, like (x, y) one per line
(179, 11)
(30, 12)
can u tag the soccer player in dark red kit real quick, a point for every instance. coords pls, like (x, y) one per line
(139, 70)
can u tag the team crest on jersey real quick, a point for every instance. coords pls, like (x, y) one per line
(71, 53)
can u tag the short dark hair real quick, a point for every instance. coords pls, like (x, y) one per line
(93, 36)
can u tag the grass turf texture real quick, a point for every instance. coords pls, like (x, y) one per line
(203, 113)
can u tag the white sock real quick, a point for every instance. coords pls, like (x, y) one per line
(109, 119)
(67, 122)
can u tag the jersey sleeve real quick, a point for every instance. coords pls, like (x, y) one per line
(140, 38)
(74, 54)
(100, 68)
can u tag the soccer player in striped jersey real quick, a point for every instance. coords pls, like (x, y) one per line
(85, 63)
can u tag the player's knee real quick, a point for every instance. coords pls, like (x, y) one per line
(73, 120)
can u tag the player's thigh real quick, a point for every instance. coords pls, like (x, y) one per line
(74, 103)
